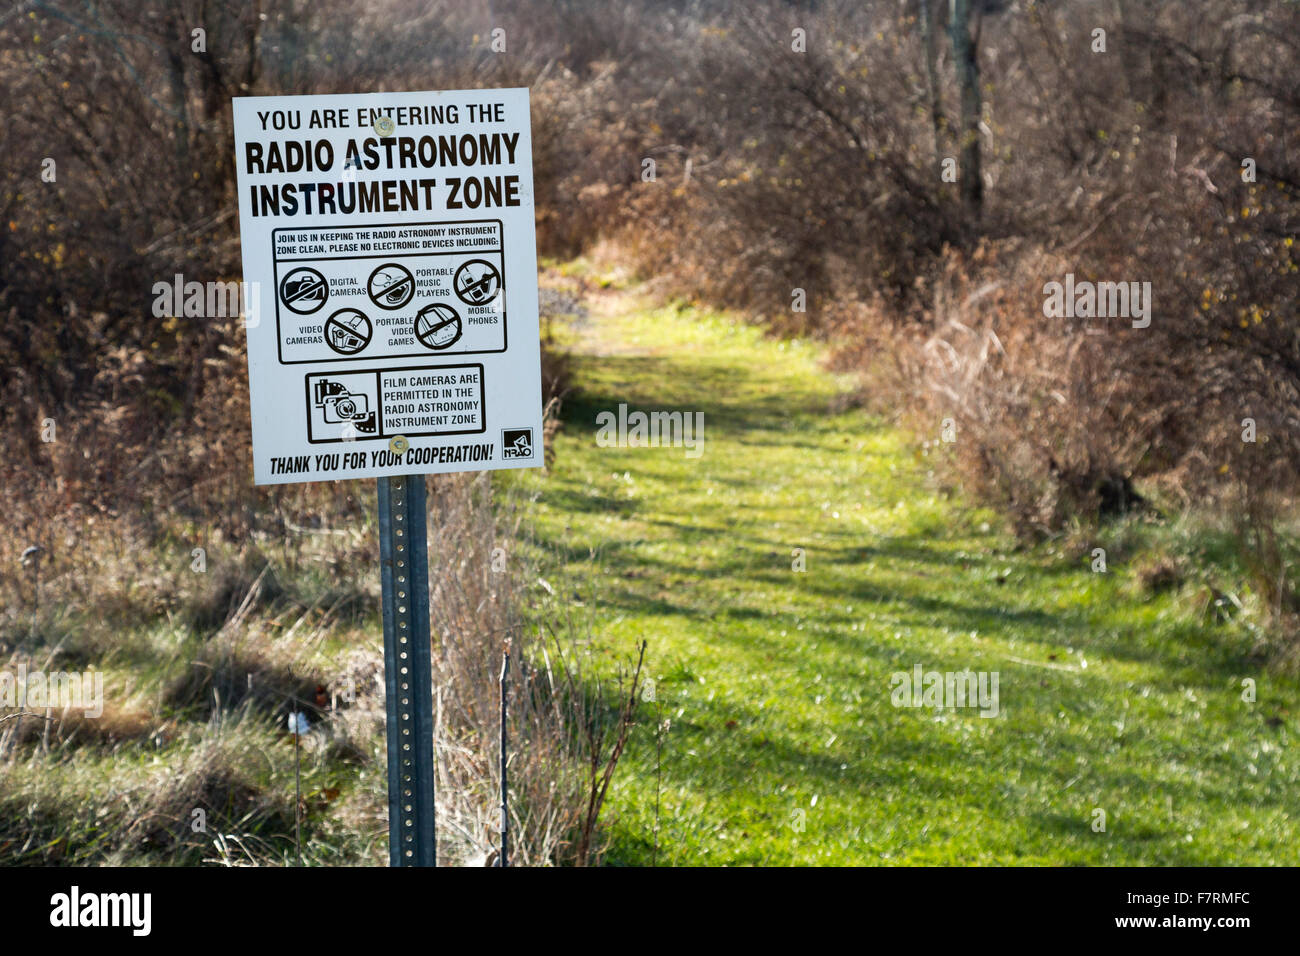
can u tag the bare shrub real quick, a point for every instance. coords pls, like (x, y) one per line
(561, 745)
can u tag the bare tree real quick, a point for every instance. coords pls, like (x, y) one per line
(965, 49)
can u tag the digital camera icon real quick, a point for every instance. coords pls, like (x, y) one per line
(304, 290)
(339, 406)
(303, 287)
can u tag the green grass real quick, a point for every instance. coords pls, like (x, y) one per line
(776, 684)
(195, 716)
(783, 745)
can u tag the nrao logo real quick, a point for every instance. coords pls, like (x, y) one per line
(516, 443)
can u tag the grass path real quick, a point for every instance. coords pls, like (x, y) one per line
(784, 746)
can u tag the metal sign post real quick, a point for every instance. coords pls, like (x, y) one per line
(408, 670)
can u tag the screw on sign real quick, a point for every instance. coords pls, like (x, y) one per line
(437, 326)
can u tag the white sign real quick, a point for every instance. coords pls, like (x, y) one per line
(390, 265)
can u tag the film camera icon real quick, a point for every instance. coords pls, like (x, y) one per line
(342, 407)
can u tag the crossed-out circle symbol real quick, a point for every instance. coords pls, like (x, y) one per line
(438, 326)
(347, 331)
(391, 286)
(304, 290)
(477, 282)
